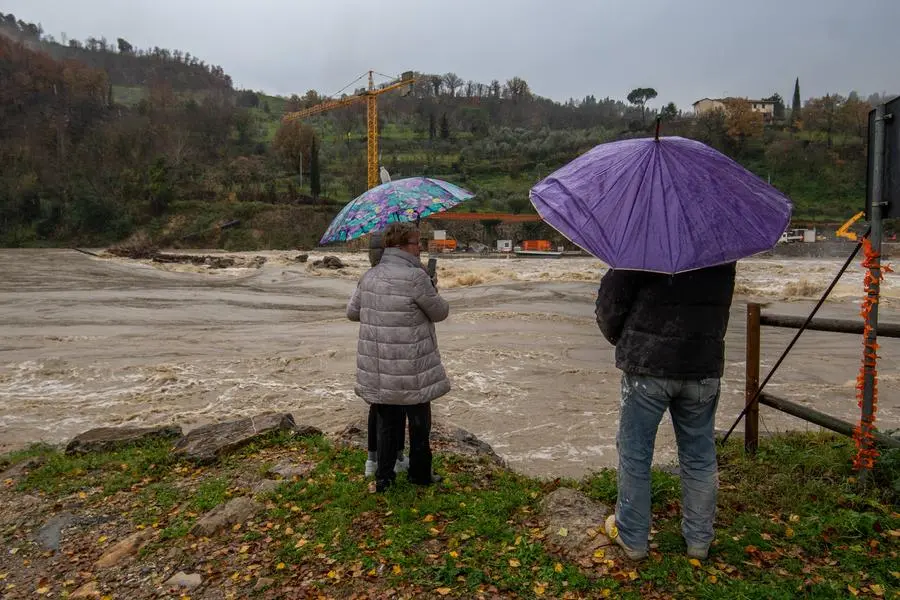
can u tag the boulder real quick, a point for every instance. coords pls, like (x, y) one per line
(289, 470)
(208, 443)
(124, 548)
(184, 580)
(104, 439)
(266, 486)
(330, 262)
(236, 510)
(301, 258)
(573, 527)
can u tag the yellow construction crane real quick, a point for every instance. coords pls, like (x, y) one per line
(370, 95)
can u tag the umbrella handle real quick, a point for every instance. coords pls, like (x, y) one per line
(658, 120)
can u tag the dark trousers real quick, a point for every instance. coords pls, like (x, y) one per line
(390, 431)
(373, 430)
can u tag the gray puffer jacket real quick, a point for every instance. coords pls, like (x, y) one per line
(397, 360)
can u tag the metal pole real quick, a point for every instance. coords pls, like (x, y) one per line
(869, 369)
(751, 419)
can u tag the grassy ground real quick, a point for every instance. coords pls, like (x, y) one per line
(792, 523)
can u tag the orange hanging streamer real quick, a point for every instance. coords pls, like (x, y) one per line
(866, 452)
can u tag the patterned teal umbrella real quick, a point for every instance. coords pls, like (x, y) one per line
(402, 200)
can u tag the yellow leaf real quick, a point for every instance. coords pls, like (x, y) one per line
(606, 593)
(518, 540)
(428, 518)
(295, 508)
(42, 590)
(102, 539)
(514, 563)
(599, 553)
(852, 590)
(894, 532)
(794, 518)
(443, 591)
(558, 568)
(695, 563)
(563, 532)
(82, 495)
(397, 570)
(332, 574)
(877, 589)
(895, 574)
(454, 554)
(3, 576)
(712, 578)
(237, 527)
(539, 590)
(301, 542)
(289, 531)
(372, 573)
(280, 566)
(632, 575)
(434, 531)
(788, 533)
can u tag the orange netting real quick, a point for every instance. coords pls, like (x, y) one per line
(862, 434)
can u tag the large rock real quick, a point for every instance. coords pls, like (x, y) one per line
(184, 580)
(208, 443)
(124, 548)
(329, 262)
(573, 527)
(235, 511)
(444, 437)
(104, 439)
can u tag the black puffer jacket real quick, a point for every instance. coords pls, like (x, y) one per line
(667, 325)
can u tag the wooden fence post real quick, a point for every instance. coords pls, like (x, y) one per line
(751, 419)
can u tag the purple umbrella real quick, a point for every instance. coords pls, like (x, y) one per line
(667, 205)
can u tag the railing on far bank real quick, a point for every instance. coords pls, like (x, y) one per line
(755, 321)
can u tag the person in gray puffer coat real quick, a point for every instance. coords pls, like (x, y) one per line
(399, 367)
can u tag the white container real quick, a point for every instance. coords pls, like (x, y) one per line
(440, 234)
(504, 245)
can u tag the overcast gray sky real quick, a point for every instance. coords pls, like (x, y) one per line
(686, 49)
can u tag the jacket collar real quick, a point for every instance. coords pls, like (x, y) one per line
(398, 256)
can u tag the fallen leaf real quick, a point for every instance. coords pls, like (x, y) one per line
(332, 574)
(712, 579)
(443, 591)
(428, 518)
(877, 589)
(301, 542)
(695, 563)
(893, 573)
(289, 531)
(42, 590)
(558, 567)
(454, 554)
(397, 570)
(852, 590)
(605, 593)
(788, 533)
(632, 575)
(5, 575)
(82, 495)
(518, 540)
(894, 532)
(434, 531)
(794, 518)
(102, 539)
(563, 532)
(514, 563)
(599, 553)
(539, 590)
(244, 549)
(280, 566)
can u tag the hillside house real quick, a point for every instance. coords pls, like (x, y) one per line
(766, 107)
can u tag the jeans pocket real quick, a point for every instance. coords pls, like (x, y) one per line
(708, 389)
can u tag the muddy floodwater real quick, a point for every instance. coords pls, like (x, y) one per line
(86, 342)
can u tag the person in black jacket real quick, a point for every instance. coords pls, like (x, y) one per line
(669, 334)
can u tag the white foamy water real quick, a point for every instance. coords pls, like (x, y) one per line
(87, 342)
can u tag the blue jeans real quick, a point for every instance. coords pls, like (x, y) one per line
(692, 404)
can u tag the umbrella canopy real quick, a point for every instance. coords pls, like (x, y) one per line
(401, 200)
(666, 206)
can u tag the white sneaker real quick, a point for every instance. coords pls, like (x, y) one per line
(402, 465)
(371, 467)
(612, 532)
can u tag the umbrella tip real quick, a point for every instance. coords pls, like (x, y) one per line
(658, 121)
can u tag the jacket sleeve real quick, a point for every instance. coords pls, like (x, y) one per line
(354, 305)
(427, 297)
(618, 290)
